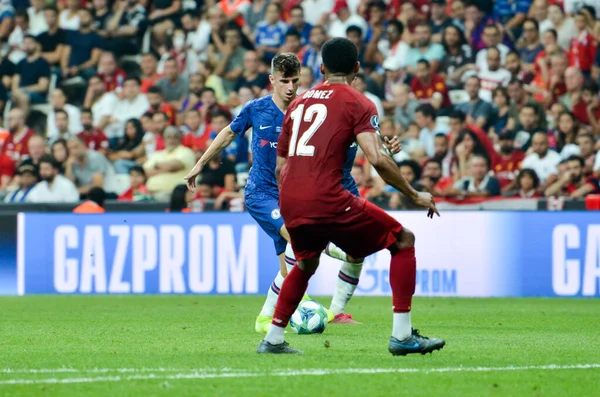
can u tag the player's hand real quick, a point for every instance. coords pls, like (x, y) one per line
(190, 178)
(393, 144)
(426, 200)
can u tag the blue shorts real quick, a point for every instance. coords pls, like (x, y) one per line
(265, 211)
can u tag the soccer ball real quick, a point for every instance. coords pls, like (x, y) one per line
(309, 318)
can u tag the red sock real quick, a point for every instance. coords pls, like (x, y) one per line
(403, 273)
(292, 290)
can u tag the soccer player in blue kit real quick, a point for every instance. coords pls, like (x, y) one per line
(265, 117)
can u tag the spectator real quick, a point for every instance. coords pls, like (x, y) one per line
(377, 20)
(270, 33)
(196, 134)
(213, 81)
(542, 160)
(411, 171)
(293, 43)
(62, 127)
(458, 14)
(502, 105)
(32, 77)
(167, 167)
(60, 153)
(37, 149)
(94, 203)
(539, 11)
(82, 49)
(312, 57)
(458, 62)
(149, 66)
(566, 134)
(180, 198)
(101, 102)
(443, 154)
(15, 40)
(70, 18)
(424, 49)
(529, 44)
(433, 180)
(54, 187)
(438, 21)
(102, 16)
(519, 100)
(573, 81)
(405, 106)
(430, 88)
(527, 184)
(192, 101)
(174, 87)
(306, 80)
(52, 41)
(93, 138)
(475, 23)
(252, 78)
(582, 48)
(478, 183)
(564, 26)
(516, 70)
(157, 103)
(16, 146)
(508, 161)
(528, 124)
(162, 19)
(586, 109)
(494, 76)
(554, 82)
(37, 20)
(585, 142)
(28, 177)
(154, 139)
(492, 38)
(343, 19)
(478, 111)
(425, 118)
(391, 47)
(467, 145)
(360, 83)
(231, 60)
(299, 24)
(355, 35)
(113, 76)
(7, 15)
(59, 102)
(129, 148)
(574, 183)
(209, 104)
(138, 191)
(219, 174)
(87, 168)
(127, 27)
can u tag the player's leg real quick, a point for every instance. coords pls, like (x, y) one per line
(345, 286)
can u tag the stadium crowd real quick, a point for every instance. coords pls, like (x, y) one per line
(490, 98)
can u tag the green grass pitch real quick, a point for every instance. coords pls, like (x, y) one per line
(205, 346)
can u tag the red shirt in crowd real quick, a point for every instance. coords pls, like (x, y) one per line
(424, 92)
(94, 140)
(196, 141)
(17, 149)
(570, 187)
(148, 82)
(582, 51)
(128, 195)
(581, 114)
(166, 109)
(506, 169)
(115, 81)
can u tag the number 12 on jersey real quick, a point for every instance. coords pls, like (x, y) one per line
(314, 113)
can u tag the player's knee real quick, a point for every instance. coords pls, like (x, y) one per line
(308, 265)
(406, 239)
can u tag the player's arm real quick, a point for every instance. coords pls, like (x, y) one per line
(388, 171)
(224, 139)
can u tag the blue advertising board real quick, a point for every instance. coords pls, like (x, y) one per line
(460, 254)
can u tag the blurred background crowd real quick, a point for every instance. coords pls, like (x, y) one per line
(490, 98)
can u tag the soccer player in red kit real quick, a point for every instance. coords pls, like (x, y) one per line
(318, 128)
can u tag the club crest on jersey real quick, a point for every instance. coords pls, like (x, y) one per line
(275, 214)
(375, 122)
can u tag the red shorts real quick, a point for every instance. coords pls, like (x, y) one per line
(360, 232)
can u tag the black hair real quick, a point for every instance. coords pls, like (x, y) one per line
(378, 4)
(220, 113)
(590, 86)
(433, 160)
(564, 137)
(30, 36)
(360, 76)
(354, 29)
(287, 64)
(553, 32)
(50, 160)
(22, 13)
(150, 54)
(61, 111)
(474, 3)
(515, 80)
(321, 28)
(163, 114)
(478, 148)
(503, 91)
(398, 25)
(424, 62)
(532, 175)
(458, 114)
(531, 106)
(577, 158)
(155, 90)
(297, 7)
(133, 78)
(147, 114)
(97, 195)
(51, 8)
(339, 56)
(276, 5)
(209, 89)
(589, 9)
(534, 22)
(426, 110)
(462, 40)
(293, 33)
(178, 203)
(86, 110)
(441, 135)
(138, 169)
(416, 168)
(128, 143)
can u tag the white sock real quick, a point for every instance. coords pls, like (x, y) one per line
(275, 335)
(402, 327)
(335, 252)
(269, 307)
(345, 286)
(290, 258)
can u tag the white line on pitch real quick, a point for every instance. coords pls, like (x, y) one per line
(218, 373)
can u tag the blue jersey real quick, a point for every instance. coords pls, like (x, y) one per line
(270, 36)
(266, 119)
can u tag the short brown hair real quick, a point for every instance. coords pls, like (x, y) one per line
(287, 64)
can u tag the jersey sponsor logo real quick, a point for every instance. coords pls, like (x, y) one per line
(375, 122)
(264, 142)
(264, 127)
(275, 214)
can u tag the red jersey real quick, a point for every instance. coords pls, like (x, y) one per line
(424, 92)
(318, 128)
(115, 81)
(581, 114)
(94, 140)
(570, 187)
(196, 142)
(582, 51)
(506, 169)
(7, 166)
(166, 109)
(139, 194)
(17, 149)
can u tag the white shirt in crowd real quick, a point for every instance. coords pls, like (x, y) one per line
(597, 162)
(104, 106)
(569, 150)
(490, 80)
(377, 102)
(338, 28)
(543, 167)
(64, 22)
(75, 126)
(62, 190)
(481, 59)
(37, 21)
(314, 10)
(572, 6)
(121, 110)
(399, 54)
(15, 41)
